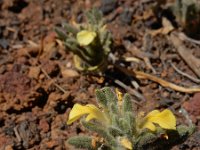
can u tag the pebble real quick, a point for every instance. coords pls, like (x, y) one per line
(108, 6)
(4, 43)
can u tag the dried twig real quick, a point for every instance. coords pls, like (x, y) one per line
(164, 83)
(182, 36)
(55, 84)
(148, 63)
(186, 55)
(185, 74)
(142, 75)
(132, 59)
(130, 91)
(17, 134)
(140, 54)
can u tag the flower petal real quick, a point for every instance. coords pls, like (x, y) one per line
(126, 143)
(85, 37)
(91, 110)
(76, 112)
(119, 94)
(164, 119)
(153, 113)
(96, 114)
(149, 125)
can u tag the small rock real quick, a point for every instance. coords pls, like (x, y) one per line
(8, 147)
(53, 99)
(44, 125)
(49, 42)
(69, 73)
(4, 140)
(108, 6)
(34, 72)
(33, 51)
(6, 4)
(193, 106)
(28, 12)
(51, 68)
(2, 69)
(166, 102)
(29, 134)
(42, 76)
(51, 144)
(4, 43)
(126, 16)
(55, 55)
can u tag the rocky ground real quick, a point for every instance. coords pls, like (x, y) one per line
(39, 83)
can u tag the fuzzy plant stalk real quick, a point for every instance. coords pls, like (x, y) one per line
(90, 42)
(119, 127)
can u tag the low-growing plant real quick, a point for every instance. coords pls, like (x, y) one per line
(90, 42)
(120, 128)
(187, 13)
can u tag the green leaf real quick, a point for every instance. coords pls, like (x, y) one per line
(60, 34)
(114, 120)
(115, 131)
(113, 109)
(81, 142)
(102, 131)
(124, 126)
(110, 96)
(127, 105)
(145, 141)
(101, 98)
(70, 29)
(131, 123)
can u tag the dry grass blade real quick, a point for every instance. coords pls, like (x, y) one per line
(185, 74)
(142, 75)
(131, 91)
(164, 83)
(182, 36)
(55, 84)
(186, 55)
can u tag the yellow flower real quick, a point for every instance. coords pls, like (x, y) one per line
(119, 97)
(85, 37)
(164, 119)
(90, 110)
(119, 94)
(126, 143)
